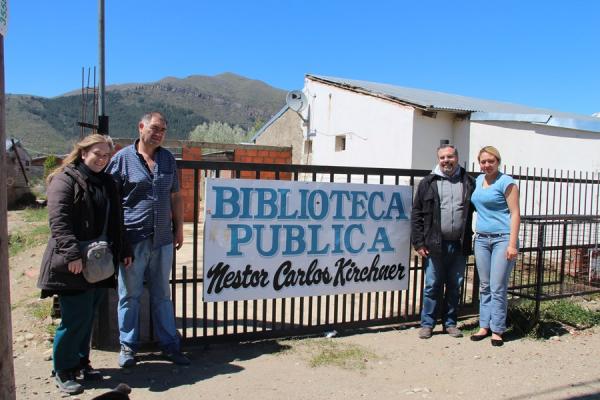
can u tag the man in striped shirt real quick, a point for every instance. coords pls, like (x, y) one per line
(146, 175)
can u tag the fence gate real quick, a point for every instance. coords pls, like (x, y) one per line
(202, 322)
(542, 194)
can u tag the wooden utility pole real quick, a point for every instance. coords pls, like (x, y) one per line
(7, 370)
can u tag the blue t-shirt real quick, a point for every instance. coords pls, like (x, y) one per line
(493, 215)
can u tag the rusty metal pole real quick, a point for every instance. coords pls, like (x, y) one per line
(7, 370)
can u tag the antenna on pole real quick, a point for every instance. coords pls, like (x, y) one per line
(99, 121)
(89, 99)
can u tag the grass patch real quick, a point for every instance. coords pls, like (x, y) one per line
(331, 352)
(571, 314)
(51, 329)
(37, 214)
(36, 231)
(554, 315)
(26, 239)
(41, 309)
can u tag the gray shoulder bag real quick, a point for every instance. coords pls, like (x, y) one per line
(98, 263)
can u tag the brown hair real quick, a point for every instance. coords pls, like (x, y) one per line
(490, 150)
(74, 157)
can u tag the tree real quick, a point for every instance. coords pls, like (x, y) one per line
(219, 132)
(50, 165)
(255, 128)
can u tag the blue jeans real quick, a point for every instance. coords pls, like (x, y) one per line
(153, 265)
(494, 271)
(446, 269)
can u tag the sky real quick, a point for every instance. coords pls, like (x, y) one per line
(538, 53)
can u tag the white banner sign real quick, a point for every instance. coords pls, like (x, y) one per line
(3, 16)
(269, 239)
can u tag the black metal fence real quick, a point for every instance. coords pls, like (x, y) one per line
(543, 194)
(560, 258)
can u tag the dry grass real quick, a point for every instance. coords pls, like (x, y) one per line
(332, 353)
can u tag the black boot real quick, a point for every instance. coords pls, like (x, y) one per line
(87, 372)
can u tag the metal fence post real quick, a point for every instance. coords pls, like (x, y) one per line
(564, 254)
(475, 295)
(540, 271)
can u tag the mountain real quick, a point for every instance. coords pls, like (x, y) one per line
(48, 125)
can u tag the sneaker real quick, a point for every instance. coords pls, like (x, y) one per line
(65, 381)
(126, 357)
(425, 332)
(454, 332)
(176, 357)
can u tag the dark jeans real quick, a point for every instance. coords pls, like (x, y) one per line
(73, 335)
(445, 270)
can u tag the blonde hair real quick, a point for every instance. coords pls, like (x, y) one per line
(74, 157)
(490, 150)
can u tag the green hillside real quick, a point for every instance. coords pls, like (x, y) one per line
(48, 125)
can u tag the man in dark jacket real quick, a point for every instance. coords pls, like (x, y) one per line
(441, 232)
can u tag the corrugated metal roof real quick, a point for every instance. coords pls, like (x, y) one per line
(488, 110)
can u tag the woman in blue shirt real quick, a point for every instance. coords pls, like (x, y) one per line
(496, 199)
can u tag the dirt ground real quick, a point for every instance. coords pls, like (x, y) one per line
(392, 363)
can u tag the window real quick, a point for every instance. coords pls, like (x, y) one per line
(340, 143)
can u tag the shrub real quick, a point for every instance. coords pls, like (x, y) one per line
(50, 165)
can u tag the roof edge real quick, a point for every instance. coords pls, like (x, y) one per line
(269, 123)
(489, 116)
(361, 90)
(540, 119)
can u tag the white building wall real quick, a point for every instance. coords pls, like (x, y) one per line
(462, 137)
(378, 132)
(427, 135)
(525, 145)
(528, 149)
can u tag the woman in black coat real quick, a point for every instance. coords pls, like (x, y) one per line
(78, 195)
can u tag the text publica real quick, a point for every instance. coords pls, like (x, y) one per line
(306, 221)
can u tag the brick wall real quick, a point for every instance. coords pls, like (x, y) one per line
(186, 182)
(283, 156)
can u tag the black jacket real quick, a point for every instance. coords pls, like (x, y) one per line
(426, 215)
(72, 219)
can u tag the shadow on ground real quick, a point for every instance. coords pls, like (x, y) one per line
(158, 375)
(558, 390)
(521, 325)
